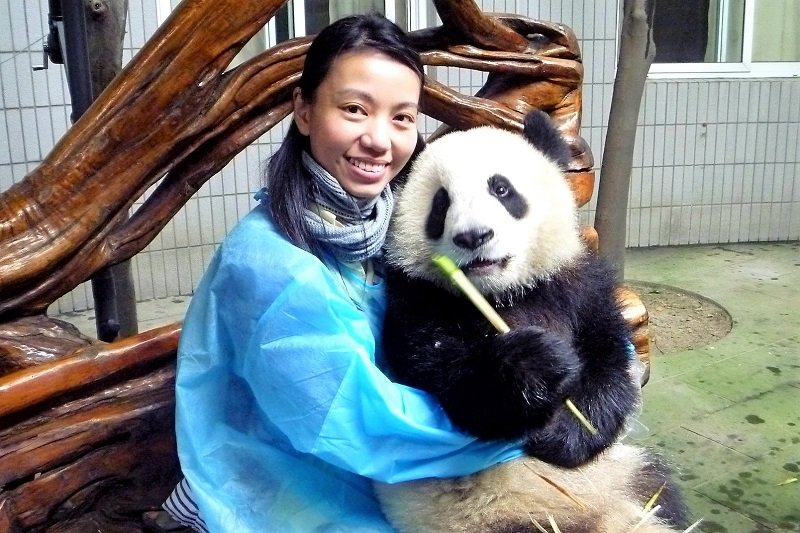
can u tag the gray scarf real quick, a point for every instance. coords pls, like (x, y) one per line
(364, 221)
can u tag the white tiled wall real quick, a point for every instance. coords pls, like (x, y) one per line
(715, 160)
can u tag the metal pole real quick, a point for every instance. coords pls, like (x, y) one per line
(112, 288)
(75, 47)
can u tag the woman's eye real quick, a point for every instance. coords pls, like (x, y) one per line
(406, 118)
(353, 109)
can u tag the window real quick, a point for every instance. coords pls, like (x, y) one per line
(298, 18)
(710, 38)
(306, 17)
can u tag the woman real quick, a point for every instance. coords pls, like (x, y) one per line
(283, 415)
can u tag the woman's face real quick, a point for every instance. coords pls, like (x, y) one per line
(362, 120)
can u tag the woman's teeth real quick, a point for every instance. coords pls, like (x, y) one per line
(368, 167)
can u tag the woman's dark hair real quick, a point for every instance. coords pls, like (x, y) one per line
(288, 183)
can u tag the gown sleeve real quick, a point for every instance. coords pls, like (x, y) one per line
(276, 360)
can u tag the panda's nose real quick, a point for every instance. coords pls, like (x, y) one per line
(473, 238)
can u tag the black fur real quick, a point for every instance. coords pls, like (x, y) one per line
(434, 225)
(568, 340)
(541, 133)
(657, 476)
(501, 188)
(530, 527)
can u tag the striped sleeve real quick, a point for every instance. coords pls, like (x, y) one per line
(181, 507)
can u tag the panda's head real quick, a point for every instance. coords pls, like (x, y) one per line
(494, 201)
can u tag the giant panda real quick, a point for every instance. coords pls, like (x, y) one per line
(498, 205)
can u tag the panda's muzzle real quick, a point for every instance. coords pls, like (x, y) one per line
(472, 239)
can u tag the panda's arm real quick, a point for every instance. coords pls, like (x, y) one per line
(491, 385)
(605, 391)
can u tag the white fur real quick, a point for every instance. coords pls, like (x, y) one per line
(523, 490)
(539, 244)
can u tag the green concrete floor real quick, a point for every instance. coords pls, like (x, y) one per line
(727, 414)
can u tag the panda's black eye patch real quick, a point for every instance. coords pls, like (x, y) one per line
(434, 225)
(501, 188)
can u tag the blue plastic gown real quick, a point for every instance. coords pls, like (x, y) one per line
(283, 417)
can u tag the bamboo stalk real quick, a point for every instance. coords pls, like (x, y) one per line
(450, 269)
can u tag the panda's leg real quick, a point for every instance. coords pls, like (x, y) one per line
(656, 477)
(607, 495)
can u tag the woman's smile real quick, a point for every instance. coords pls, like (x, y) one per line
(367, 166)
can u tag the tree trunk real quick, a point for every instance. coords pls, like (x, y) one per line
(636, 53)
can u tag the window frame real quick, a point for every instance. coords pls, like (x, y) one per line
(747, 68)
(417, 16)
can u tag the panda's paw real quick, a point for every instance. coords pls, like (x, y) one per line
(541, 364)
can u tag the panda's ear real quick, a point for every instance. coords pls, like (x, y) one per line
(543, 135)
(402, 176)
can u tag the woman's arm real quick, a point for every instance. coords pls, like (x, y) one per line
(274, 319)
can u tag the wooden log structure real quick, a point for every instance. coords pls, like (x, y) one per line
(86, 428)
